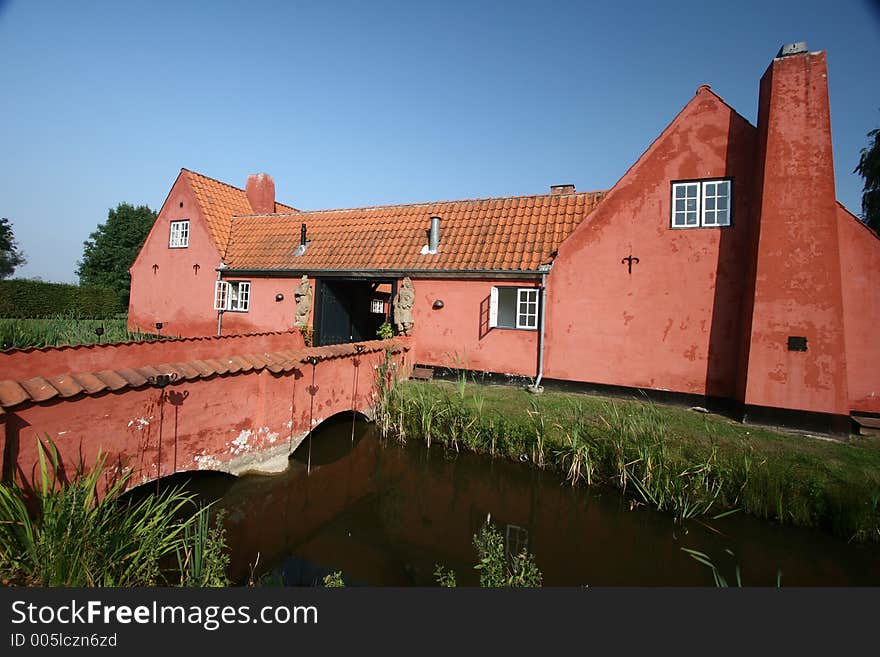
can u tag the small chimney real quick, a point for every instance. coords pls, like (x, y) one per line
(434, 235)
(789, 49)
(561, 189)
(261, 193)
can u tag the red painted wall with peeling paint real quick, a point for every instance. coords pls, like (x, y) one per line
(201, 419)
(458, 336)
(673, 323)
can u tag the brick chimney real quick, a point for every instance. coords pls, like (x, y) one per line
(561, 189)
(797, 291)
(261, 193)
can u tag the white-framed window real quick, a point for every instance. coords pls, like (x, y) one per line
(377, 306)
(514, 307)
(706, 203)
(234, 296)
(179, 234)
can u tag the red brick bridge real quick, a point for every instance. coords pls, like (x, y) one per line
(233, 404)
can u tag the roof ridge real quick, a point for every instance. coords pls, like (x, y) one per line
(202, 175)
(421, 203)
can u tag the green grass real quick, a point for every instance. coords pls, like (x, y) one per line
(681, 462)
(65, 330)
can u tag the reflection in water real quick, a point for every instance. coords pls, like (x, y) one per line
(388, 515)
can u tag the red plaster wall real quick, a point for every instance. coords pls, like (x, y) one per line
(860, 275)
(175, 294)
(798, 284)
(451, 336)
(204, 422)
(674, 323)
(19, 365)
(264, 313)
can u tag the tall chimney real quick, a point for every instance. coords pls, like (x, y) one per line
(797, 289)
(261, 193)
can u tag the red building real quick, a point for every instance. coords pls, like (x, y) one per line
(720, 265)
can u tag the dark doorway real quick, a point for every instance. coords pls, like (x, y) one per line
(351, 310)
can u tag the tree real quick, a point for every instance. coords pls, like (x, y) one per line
(10, 255)
(111, 250)
(869, 169)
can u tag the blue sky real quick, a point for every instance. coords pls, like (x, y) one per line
(363, 103)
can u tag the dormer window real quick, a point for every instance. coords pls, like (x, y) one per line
(702, 203)
(179, 234)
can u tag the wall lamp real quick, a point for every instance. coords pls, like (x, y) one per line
(438, 304)
(162, 380)
(279, 297)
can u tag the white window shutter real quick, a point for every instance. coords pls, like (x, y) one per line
(221, 295)
(244, 296)
(493, 308)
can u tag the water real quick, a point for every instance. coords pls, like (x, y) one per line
(387, 515)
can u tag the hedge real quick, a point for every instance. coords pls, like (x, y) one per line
(23, 299)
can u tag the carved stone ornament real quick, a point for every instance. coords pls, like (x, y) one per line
(303, 296)
(403, 305)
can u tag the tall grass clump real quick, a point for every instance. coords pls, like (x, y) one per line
(74, 536)
(389, 399)
(202, 557)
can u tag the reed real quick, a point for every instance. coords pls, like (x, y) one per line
(73, 535)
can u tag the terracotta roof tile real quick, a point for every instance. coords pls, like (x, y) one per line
(111, 379)
(39, 389)
(66, 385)
(256, 360)
(217, 365)
(219, 202)
(187, 371)
(11, 393)
(515, 234)
(243, 364)
(134, 377)
(148, 372)
(202, 367)
(90, 383)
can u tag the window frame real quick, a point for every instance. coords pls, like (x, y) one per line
(183, 225)
(223, 296)
(701, 202)
(521, 292)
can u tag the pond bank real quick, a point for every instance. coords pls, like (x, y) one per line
(681, 462)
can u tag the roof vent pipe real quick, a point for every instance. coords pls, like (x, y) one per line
(303, 242)
(434, 235)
